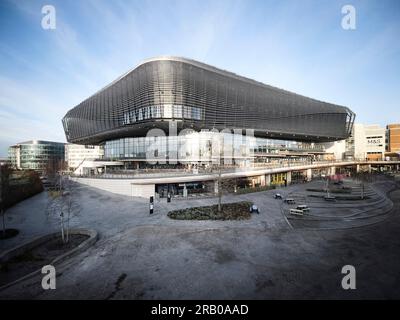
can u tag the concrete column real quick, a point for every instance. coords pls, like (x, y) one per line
(216, 186)
(333, 171)
(309, 174)
(262, 180)
(358, 168)
(185, 193)
(289, 177)
(369, 168)
(267, 179)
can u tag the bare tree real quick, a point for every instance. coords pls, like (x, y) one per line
(327, 187)
(4, 190)
(224, 185)
(363, 177)
(219, 186)
(71, 204)
(63, 204)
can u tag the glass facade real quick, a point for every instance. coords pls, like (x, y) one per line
(271, 146)
(37, 155)
(201, 146)
(194, 146)
(166, 111)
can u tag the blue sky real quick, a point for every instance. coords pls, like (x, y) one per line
(296, 45)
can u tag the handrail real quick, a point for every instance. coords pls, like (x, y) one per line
(149, 173)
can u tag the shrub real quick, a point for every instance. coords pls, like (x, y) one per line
(230, 211)
(255, 189)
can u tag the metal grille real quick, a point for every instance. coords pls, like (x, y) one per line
(224, 100)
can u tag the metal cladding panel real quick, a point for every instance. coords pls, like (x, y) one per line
(220, 100)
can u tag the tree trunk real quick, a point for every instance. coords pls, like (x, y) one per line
(362, 191)
(219, 190)
(62, 228)
(327, 187)
(219, 198)
(67, 231)
(3, 215)
(68, 217)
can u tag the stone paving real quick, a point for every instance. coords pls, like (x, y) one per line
(260, 258)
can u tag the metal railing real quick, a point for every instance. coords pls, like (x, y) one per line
(159, 172)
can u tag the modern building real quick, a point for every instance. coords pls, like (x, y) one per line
(76, 154)
(171, 111)
(38, 155)
(179, 114)
(393, 141)
(367, 142)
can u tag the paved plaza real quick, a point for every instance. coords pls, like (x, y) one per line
(272, 255)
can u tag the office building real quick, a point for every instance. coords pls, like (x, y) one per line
(76, 154)
(38, 155)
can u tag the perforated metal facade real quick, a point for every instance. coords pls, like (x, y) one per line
(200, 96)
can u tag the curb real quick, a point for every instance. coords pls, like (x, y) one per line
(93, 236)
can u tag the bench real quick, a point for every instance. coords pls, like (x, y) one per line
(303, 207)
(289, 201)
(296, 212)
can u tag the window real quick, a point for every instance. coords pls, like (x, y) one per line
(167, 111)
(187, 112)
(162, 111)
(177, 111)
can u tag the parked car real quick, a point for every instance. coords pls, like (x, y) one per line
(296, 212)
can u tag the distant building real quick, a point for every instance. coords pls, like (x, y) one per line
(4, 161)
(367, 142)
(38, 155)
(76, 154)
(392, 141)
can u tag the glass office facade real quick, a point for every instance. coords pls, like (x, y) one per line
(37, 155)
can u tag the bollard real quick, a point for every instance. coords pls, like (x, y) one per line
(151, 205)
(151, 208)
(169, 197)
